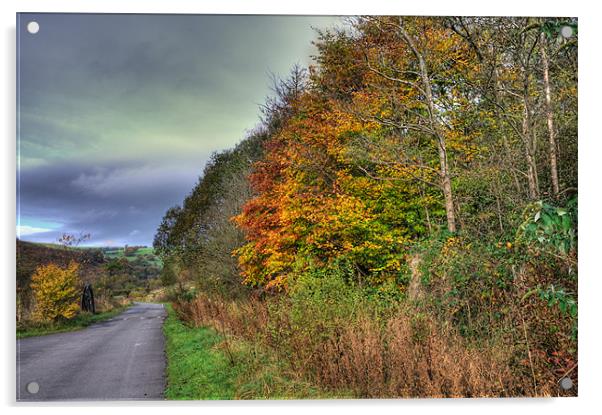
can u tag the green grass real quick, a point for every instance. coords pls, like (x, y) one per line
(194, 369)
(79, 322)
(199, 367)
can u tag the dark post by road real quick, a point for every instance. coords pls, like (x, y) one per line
(88, 299)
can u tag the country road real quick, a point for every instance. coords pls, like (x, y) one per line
(121, 358)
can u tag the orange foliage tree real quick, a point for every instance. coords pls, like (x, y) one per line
(358, 171)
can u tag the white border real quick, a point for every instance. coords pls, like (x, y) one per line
(590, 147)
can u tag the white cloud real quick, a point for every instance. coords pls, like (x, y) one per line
(23, 230)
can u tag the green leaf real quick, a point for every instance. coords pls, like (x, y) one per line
(566, 223)
(547, 221)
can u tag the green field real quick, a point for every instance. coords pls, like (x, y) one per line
(147, 253)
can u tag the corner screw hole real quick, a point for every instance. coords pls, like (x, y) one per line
(566, 383)
(33, 387)
(33, 27)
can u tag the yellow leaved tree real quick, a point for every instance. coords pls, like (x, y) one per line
(56, 291)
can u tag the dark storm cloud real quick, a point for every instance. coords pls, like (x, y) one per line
(116, 203)
(118, 113)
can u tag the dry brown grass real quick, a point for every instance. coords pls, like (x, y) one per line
(245, 318)
(407, 355)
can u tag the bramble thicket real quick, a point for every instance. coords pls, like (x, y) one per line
(403, 220)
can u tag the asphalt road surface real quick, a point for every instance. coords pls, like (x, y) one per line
(121, 358)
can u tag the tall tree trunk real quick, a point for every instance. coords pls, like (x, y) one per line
(528, 140)
(446, 185)
(549, 116)
(444, 174)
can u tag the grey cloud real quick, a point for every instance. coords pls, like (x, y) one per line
(119, 113)
(111, 213)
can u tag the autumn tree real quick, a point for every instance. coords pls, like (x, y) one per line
(425, 92)
(56, 291)
(403, 127)
(516, 115)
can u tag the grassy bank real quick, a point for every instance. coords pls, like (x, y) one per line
(77, 323)
(202, 364)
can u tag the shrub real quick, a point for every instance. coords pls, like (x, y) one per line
(56, 291)
(550, 230)
(324, 295)
(503, 290)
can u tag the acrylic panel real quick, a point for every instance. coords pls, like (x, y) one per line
(295, 207)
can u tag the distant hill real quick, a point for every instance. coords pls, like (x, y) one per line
(138, 261)
(31, 255)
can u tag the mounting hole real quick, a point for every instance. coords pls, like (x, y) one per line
(33, 27)
(566, 383)
(566, 32)
(33, 387)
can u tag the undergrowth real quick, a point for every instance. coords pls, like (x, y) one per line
(205, 364)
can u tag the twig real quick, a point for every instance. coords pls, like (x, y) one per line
(529, 353)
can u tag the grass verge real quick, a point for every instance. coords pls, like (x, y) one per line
(202, 364)
(79, 322)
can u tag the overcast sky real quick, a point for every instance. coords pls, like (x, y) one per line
(119, 113)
